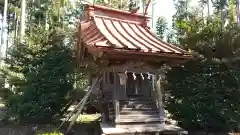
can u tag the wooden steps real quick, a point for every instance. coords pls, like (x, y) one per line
(153, 126)
(138, 110)
(138, 121)
(138, 115)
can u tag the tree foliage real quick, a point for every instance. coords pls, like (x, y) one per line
(204, 96)
(126, 4)
(161, 27)
(112, 3)
(46, 67)
(203, 93)
(41, 72)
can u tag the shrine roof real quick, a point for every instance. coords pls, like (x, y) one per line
(114, 29)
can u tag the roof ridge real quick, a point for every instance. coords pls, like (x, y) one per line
(116, 19)
(118, 10)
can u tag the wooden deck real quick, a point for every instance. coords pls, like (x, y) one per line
(108, 129)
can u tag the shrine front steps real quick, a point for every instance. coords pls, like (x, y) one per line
(150, 128)
(139, 116)
(137, 111)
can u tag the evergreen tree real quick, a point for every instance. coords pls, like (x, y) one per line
(40, 70)
(46, 67)
(161, 27)
(202, 92)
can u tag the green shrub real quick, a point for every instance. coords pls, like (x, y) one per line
(46, 65)
(204, 96)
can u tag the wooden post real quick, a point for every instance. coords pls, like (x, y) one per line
(82, 103)
(160, 98)
(103, 107)
(116, 97)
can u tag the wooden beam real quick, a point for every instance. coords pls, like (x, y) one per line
(118, 53)
(134, 66)
(144, 58)
(153, 59)
(82, 103)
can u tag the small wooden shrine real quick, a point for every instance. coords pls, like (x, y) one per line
(128, 57)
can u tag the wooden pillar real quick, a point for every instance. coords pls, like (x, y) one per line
(160, 97)
(104, 108)
(116, 97)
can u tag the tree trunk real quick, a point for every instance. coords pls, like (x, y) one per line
(121, 4)
(222, 6)
(16, 29)
(22, 20)
(237, 10)
(7, 31)
(4, 29)
(208, 8)
(143, 6)
(46, 21)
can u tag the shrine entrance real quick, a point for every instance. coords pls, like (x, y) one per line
(137, 85)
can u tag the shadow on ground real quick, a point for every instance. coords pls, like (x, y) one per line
(86, 125)
(92, 128)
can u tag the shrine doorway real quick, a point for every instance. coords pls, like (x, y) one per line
(135, 85)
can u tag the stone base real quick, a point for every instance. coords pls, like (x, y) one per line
(141, 129)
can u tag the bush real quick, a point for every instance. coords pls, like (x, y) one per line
(46, 66)
(204, 96)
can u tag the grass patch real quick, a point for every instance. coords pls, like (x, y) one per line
(52, 133)
(2, 104)
(88, 118)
